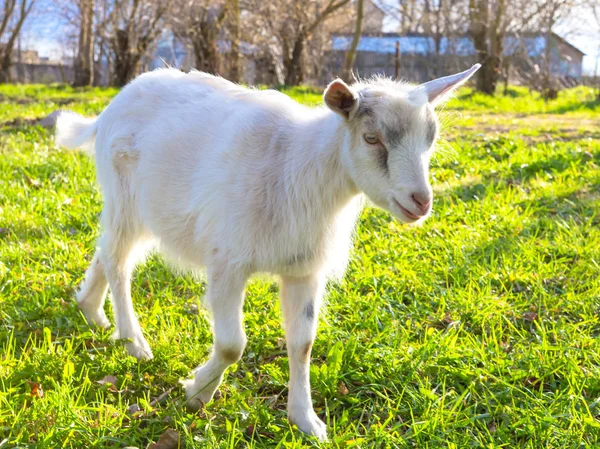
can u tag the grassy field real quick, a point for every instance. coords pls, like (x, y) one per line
(479, 329)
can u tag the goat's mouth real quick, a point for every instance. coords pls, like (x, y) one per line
(405, 215)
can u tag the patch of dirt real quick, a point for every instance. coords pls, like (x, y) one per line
(16, 100)
(18, 122)
(545, 127)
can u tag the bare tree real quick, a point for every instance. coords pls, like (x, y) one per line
(351, 53)
(292, 24)
(84, 62)
(408, 13)
(443, 21)
(199, 24)
(133, 27)
(14, 14)
(594, 6)
(489, 20)
(552, 12)
(234, 18)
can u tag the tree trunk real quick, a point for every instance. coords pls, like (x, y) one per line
(5, 69)
(234, 29)
(6, 54)
(84, 64)
(351, 53)
(294, 75)
(490, 72)
(126, 61)
(206, 51)
(506, 74)
(480, 43)
(488, 44)
(488, 75)
(125, 70)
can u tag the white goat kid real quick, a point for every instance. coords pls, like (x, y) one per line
(242, 181)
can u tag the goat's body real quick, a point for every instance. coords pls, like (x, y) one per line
(242, 177)
(240, 181)
(217, 176)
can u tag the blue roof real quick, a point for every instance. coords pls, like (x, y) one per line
(408, 44)
(461, 46)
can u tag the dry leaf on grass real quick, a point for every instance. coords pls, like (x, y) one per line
(168, 440)
(251, 430)
(32, 182)
(36, 389)
(135, 411)
(111, 381)
(162, 397)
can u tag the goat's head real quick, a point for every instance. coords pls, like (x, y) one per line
(393, 128)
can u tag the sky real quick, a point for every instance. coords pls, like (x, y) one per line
(44, 33)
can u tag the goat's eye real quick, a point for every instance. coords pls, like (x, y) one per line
(371, 139)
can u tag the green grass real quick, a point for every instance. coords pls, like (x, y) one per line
(478, 329)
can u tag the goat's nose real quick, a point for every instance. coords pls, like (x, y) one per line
(422, 201)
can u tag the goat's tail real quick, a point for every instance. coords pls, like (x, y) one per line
(75, 131)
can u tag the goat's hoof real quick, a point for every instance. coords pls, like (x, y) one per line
(197, 397)
(140, 350)
(193, 401)
(309, 423)
(95, 318)
(136, 346)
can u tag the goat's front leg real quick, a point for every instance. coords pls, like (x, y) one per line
(301, 299)
(225, 298)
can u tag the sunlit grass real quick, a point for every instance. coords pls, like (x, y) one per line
(478, 329)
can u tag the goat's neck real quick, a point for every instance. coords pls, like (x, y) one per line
(315, 170)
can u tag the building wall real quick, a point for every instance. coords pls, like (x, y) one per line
(41, 73)
(376, 56)
(415, 68)
(566, 61)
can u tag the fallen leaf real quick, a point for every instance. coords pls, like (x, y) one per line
(251, 430)
(32, 182)
(447, 320)
(36, 389)
(111, 381)
(530, 316)
(342, 389)
(162, 397)
(168, 440)
(134, 410)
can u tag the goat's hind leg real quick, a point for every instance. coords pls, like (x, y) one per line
(225, 298)
(119, 258)
(92, 292)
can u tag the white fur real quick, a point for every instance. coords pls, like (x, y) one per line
(241, 181)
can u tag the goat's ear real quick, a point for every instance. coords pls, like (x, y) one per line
(437, 91)
(341, 98)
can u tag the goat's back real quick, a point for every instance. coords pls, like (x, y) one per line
(200, 163)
